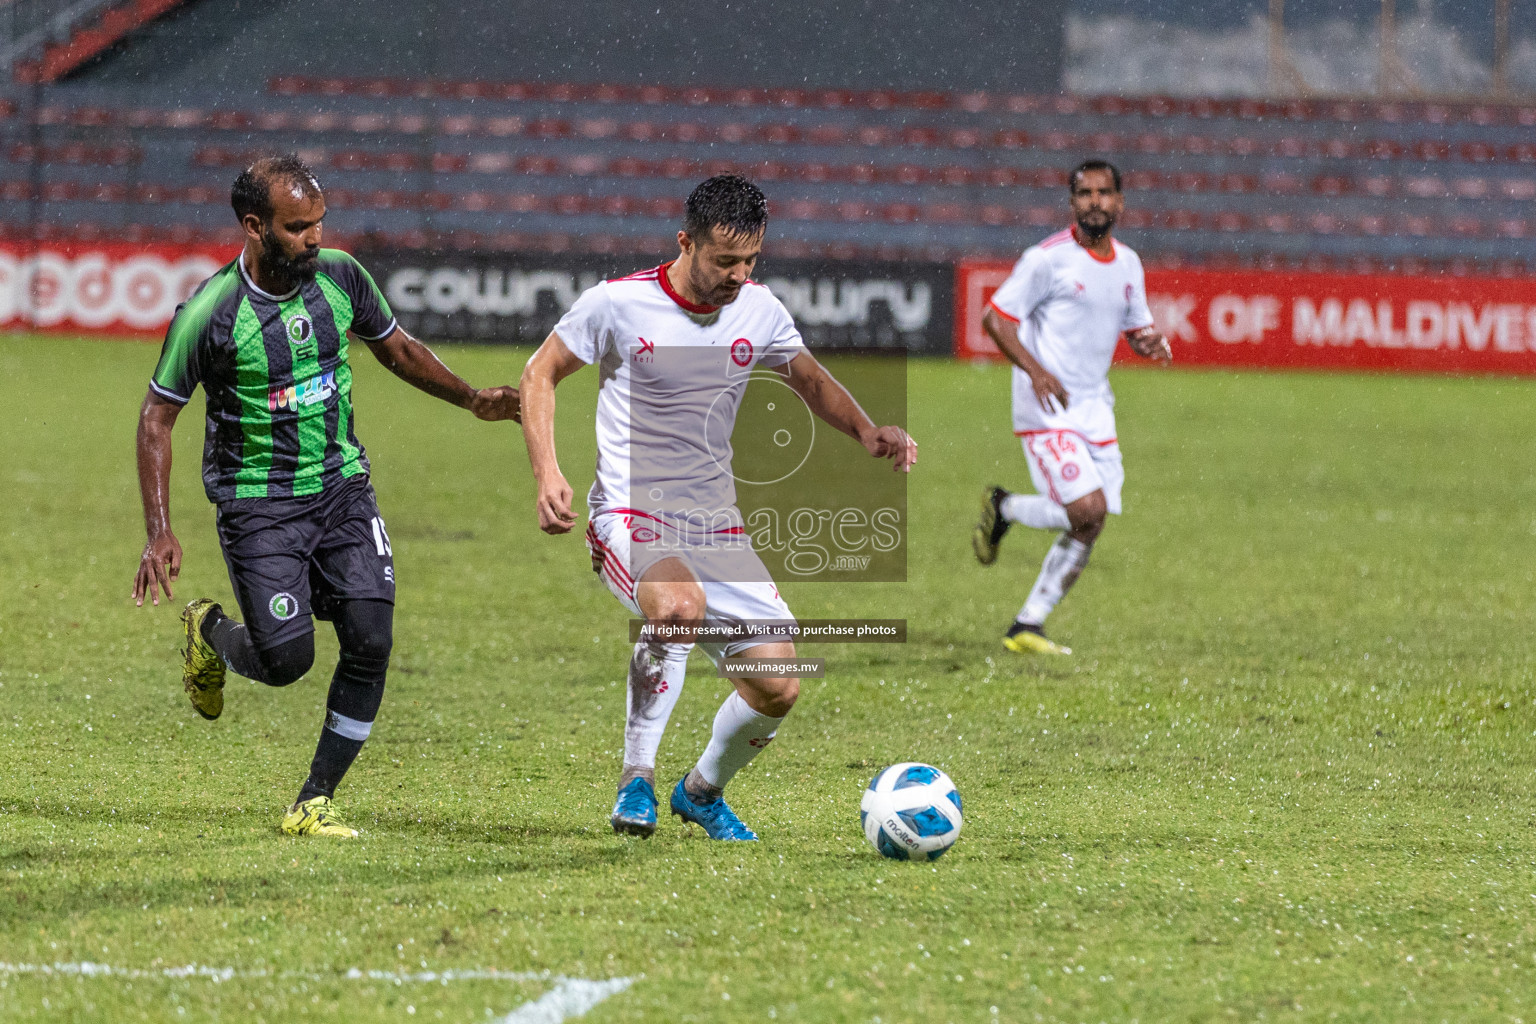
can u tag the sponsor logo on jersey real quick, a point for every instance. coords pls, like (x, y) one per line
(643, 534)
(283, 607)
(316, 389)
(1070, 471)
(741, 352)
(646, 353)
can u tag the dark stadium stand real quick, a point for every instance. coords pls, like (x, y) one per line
(69, 34)
(1290, 110)
(936, 174)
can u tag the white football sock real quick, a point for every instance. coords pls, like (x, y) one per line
(1035, 510)
(655, 682)
(1063, 564)
(739, 735)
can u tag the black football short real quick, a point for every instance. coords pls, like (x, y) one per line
(290, 558)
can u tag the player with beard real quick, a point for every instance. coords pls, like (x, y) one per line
(675, 347)
(267, 338)
(1058, 317)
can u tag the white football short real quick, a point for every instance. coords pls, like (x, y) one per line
(1066, 466)
(737, 587)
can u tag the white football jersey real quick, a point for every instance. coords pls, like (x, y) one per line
(671, 378)
(1071, 308)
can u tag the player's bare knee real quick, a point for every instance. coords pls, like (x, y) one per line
(1087, 515)
(679, 606)
(775, 697)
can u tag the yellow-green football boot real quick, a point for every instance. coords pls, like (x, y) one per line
(1022, 639)
(315, 817)
(988, 532)
(202, 670)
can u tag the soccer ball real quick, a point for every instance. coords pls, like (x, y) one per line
(911, 811)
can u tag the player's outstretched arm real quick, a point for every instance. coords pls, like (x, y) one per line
(551, 364)
(160, 563)
(832, 403)
(1005, 335)
(419, 366)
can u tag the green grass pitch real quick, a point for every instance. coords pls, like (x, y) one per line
(1288, 775)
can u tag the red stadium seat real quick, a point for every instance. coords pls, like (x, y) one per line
(1373, 224)
(1472, 188)
(1282, 184)
(230, 120)
(502, 127)
(1378, 185)
(1182, 220)
(1425, 187)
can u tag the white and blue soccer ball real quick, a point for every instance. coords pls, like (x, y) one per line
(911, 811)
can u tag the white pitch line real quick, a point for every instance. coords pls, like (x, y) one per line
(570, 997)
(87, 969)
(573, 997)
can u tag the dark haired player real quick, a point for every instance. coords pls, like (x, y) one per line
(675, 347)
(1058, 317)
(267, 338)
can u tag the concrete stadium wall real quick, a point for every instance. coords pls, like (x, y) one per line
(216, 50)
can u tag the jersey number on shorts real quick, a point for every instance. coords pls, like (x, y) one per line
(381, 538)
(1060, 446)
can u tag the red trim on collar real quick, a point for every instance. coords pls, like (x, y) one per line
(1102, 259)
(666, 286)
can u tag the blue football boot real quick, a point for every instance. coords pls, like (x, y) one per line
(634, 812)
(715, 817)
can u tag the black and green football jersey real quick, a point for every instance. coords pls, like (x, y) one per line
(275, 372)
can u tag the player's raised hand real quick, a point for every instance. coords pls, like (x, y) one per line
(1048, 391)
(159, 565)
(892, 443)
(501, 403)
(554, 504)
(1149, 343)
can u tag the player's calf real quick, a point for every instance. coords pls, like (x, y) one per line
(656, 673)
(364, 630)
(746, 723)
(277, 665)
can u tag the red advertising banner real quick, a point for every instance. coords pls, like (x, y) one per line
(110, 288)
(1315, 321)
